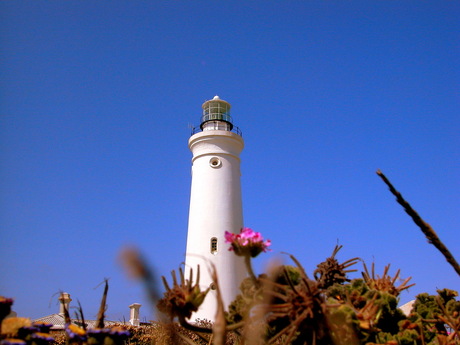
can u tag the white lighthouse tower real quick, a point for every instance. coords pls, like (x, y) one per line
(215, 204)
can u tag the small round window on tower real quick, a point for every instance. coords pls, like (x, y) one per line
(215, 162)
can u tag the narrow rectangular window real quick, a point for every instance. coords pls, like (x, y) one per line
(214, 245)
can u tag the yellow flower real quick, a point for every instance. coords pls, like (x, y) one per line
(11, 325)
(5, 307)
(76, 330)
(42, 336)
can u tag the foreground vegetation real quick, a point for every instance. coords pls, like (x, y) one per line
(286, 306)
(282, 306)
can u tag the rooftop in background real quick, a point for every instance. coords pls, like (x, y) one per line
(58, 320)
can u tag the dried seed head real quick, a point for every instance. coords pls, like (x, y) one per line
(330, 272)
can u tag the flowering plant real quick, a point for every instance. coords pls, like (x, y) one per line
(247, 242)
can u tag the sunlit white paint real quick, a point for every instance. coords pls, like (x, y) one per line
(215, 207)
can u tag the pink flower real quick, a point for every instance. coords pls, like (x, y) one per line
(247, 242)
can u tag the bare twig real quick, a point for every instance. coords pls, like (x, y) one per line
(186, 339)
(66, 312)
(82, 317)
(137, 268)
(197, 329)
(219, 332)
(424, 226)
(102, 308)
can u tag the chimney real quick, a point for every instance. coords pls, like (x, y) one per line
(134, 314)
(64, 302)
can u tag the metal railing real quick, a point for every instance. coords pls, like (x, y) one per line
(235, 129)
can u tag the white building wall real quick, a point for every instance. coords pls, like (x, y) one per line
(215, 207)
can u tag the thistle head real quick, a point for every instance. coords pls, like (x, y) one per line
(183, 298)
(331, 272)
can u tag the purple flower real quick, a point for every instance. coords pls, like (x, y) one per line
(98, 331)
(12, 341)
(96, 336)
(75, 333)
(120, 332)
(24, 332)
(43, 327)
(114, 335)
(247, 242)
(42, 338)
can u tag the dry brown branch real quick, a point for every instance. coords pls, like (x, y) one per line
(219, 332)
(102, 308)
(136, 266)
(424, 226)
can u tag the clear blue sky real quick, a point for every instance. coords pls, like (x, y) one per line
(96, 99)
